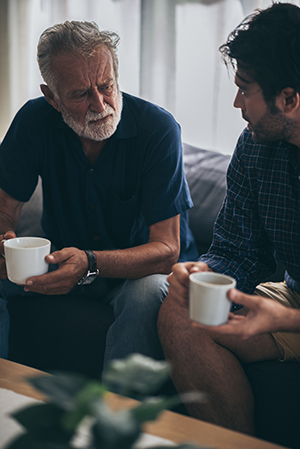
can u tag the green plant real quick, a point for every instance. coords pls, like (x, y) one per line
(75, 401)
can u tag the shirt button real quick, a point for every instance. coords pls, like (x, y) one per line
(92, 207)
(91, 171)
(96, 238)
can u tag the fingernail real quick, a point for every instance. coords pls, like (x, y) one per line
(29, 282)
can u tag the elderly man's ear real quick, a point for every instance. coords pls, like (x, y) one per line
(49, 95)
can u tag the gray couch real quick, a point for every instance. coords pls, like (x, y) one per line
(64, 333)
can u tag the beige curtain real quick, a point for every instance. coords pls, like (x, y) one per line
(4, 68)
(22, 22)
(168, 55)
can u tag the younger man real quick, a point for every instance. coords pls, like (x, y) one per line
(259, 217)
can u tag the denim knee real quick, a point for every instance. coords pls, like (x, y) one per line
(141, 295)
(136, 304)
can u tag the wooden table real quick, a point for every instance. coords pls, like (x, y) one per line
(169, 425)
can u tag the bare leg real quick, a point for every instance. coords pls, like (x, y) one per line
(209, 363)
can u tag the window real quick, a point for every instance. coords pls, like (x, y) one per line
(168, 55)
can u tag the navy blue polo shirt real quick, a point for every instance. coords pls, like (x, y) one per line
(137, 180)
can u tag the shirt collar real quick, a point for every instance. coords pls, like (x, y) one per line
(127, 127)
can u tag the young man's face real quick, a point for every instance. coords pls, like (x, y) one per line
(265, 122)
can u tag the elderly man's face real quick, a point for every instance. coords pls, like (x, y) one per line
(88, 95)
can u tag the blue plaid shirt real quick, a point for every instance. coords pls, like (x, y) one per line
(260, 215)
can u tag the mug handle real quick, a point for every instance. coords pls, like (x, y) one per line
(3, 255)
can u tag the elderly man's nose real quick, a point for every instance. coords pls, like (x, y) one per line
(97, 103)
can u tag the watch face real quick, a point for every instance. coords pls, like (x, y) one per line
(89, 279)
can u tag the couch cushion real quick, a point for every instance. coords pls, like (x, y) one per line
(206, 176)
(30, 218)
(276, 389)
(59, 332)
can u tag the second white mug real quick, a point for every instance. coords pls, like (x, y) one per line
(209, 303)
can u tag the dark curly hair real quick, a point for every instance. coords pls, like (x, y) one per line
(266, 45)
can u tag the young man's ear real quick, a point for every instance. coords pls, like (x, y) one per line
(290, 99)
(48, 94)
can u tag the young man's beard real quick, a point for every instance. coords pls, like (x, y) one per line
(95, 131)
(274, 125)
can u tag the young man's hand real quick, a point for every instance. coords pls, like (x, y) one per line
(179, 280)
(264, 315)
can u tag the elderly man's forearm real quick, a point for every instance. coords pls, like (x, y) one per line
(133, 263)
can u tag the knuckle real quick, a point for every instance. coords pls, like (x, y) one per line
(44, 289)
(169, 278)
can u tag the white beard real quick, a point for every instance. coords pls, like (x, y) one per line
(95, 131)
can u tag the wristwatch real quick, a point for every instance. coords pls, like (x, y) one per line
(92, 271)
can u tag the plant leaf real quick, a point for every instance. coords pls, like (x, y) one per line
(83, 404)
(61, 388)
(43, 421)
(136, 374)
(114, 430)
(194, 396)
(151, 407)
(28, 441)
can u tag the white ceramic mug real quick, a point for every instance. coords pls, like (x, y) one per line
(25, 257)
(208, 297)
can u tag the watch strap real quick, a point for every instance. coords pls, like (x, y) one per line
(92, 271)
(92, 261)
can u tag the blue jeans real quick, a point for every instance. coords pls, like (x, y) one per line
(135, 303)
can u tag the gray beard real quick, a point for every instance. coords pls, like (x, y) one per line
(94, 131)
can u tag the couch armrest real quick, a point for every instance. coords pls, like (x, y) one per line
(206, 176)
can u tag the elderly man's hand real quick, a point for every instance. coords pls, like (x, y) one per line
(72, 266)
(7, 236)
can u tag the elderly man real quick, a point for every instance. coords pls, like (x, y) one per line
(115, 198)
(259, 217)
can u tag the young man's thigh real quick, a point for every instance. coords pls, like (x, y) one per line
(287, 342)
(284, 346)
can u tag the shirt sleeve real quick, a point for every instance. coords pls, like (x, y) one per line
(165, 192)
(241, 247)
